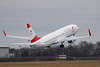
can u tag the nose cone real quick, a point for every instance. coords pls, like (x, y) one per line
(76, 28)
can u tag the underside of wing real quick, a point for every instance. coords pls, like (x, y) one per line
(75, 38)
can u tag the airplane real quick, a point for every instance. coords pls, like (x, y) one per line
(57, 37)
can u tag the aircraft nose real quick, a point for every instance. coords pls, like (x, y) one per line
(76, 27)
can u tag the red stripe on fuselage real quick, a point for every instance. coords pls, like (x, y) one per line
(35, 39)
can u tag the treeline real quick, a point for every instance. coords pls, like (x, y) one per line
(83, 49)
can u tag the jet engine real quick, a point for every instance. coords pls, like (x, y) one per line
(72, 41)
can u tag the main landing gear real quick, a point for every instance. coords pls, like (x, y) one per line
(62, 45)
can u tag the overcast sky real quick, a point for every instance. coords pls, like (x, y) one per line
(46, 16)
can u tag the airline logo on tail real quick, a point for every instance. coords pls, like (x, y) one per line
(31, 32)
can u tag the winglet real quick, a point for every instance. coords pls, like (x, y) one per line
(4, 32)
(89, 32)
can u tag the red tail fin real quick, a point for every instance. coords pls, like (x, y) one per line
(33, 36)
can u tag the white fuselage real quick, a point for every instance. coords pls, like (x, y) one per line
(56, 36)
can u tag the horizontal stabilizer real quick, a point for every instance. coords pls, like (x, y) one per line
(19, 37)
(21, 43)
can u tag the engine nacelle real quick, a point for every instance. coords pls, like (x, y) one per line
(71, 41)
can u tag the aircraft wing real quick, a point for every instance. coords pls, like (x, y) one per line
(20, 37)
(75, 38)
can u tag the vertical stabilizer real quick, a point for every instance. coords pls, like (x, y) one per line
(33, 36)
